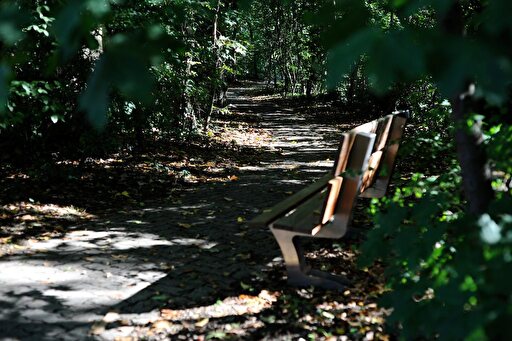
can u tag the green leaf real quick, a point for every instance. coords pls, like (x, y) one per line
(490, 231)
(67, 28)
(477, 335)
(12, 20)
(98, 8)
(493, 17)
(160, 298)
(245, 286)
(399, 3)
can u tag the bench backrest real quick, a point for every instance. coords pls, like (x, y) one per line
(353, 154)
(389, 130)
(366, 158)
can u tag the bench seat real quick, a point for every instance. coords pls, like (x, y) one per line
(293, 201)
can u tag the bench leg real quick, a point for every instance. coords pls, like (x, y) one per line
(292, 251)
(299, 273)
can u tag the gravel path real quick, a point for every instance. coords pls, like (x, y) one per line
(194, 252)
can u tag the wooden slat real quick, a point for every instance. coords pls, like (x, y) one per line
(331, 200)
(381, 178)
(342, 154)
(349, 189)
(305, 218)
(382, 132)
(291, 202)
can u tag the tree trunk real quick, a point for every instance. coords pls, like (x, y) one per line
(139, 122)
(215, 71)
(188, 122)
(309, 84)
(188, 112)
(254, 72)
(470, 152)
(472, 158)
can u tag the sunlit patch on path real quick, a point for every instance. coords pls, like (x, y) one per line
(58, 286)
(24, 222)
(169, 322)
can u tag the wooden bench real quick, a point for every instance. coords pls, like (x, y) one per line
(362, 168)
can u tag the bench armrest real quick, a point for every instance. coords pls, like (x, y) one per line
(290, 203)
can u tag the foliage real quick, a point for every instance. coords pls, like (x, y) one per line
(399, 44)
(448, 271)
(127, 67)
(284, 46)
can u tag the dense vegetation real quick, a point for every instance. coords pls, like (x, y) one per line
(81, 78)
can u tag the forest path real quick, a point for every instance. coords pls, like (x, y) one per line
(181, 255)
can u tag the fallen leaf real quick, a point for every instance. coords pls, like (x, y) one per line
(185, 225)
(138, 222)
(169, 314)
(111, 317)
(124, 193)
(216, 335)
(328, 315)
(160, 298)
(98, 328)
(202, 323)
(244, 256)
(340, 331)
(245, 286)
(162, 325)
